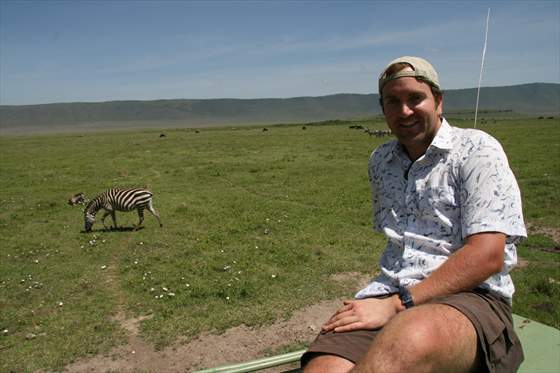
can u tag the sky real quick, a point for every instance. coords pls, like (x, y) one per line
(92, 51)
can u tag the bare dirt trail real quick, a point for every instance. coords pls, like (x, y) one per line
(207, 350)
(236, 345)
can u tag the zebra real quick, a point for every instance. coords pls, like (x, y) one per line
(116, 199)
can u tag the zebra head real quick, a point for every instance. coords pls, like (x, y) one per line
(89, 219)
(78, 198)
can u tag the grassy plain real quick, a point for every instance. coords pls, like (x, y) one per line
(256, 223)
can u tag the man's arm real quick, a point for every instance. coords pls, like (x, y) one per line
(480, 257)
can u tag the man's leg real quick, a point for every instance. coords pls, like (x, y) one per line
(337, 352)
(328, 364)
(427, 338)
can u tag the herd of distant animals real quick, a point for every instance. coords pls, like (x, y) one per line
(139, 199)
(113, 200)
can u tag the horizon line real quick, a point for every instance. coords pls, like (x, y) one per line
(251, 99)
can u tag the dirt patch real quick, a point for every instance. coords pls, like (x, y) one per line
(547, 307)
(553, 233)
(209, 350)
(522, 263)
(236, 345)
(356, 278)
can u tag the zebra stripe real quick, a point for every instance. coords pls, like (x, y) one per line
(117, 199)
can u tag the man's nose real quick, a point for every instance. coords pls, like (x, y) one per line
(406, 110)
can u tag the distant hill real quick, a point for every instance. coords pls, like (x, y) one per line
(529, 99)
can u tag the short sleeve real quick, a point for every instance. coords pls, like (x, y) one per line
(490, 196)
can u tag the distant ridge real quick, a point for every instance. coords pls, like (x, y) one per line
(529, 99)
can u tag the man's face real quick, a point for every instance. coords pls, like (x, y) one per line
(412, 113)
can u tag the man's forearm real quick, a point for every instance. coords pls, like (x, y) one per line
(480, 257)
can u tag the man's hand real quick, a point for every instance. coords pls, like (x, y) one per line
(370, 313)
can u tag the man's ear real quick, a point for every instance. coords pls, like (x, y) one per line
(439, 104)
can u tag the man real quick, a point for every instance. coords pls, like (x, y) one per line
(450, 207)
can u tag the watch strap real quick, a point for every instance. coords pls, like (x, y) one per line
(406, 297)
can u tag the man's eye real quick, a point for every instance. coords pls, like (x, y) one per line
(416, 99)
(391, 101)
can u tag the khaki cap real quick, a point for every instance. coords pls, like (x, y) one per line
(420, 69)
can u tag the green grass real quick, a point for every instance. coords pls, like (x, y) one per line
(538, 284)
(255, 223)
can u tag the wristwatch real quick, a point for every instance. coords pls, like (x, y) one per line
(406, 298)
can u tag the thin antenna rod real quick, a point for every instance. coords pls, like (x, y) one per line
(481, 67)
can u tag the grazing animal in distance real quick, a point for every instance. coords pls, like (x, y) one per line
(78, 199)
(116, 199)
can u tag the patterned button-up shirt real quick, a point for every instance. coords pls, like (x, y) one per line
(462, 185)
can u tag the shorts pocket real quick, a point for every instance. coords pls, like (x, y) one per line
(496, 342)
(504, 350)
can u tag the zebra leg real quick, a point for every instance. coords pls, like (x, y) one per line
(154, 212)
(114, 216)
(140, 218)
(103, 218)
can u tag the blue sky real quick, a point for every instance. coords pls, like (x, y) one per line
(90, 51)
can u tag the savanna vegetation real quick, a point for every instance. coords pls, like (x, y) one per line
(256, 223)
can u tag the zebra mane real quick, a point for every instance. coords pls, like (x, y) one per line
(93, 205)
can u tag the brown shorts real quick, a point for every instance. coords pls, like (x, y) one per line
(490, 315)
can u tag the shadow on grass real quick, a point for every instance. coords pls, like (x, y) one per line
(113, 230)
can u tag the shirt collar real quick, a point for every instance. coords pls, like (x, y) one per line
(444, 137)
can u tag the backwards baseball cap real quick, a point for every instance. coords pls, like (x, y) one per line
(420, 69)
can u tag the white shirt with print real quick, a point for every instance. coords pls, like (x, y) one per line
(462, 185)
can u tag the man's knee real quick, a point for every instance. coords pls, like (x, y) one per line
(407, 338)
(418, 338)
(328, 364)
